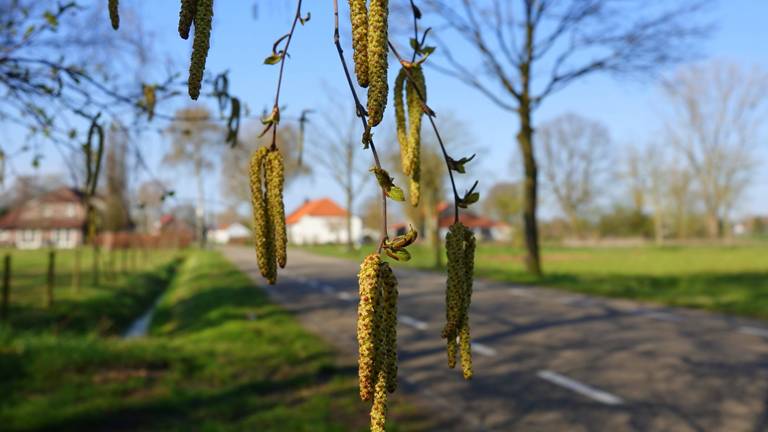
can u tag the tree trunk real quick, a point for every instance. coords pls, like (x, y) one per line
(436, 240)
(350, 242)
(713, 225)
(530, 186)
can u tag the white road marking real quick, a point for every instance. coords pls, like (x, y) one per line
(483, 349)
(583, 389)
(345, 296)
(413, 322)
(661, 316)
(754, 331)
(520, 292)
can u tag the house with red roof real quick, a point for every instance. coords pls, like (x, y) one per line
(55, 219)
(485, 228)
(321, 221)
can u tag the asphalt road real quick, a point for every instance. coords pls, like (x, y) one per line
(547, 360)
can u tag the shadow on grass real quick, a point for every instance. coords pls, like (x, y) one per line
(103, 314)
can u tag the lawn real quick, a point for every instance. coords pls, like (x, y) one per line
(125, 286)
(219, 357)
(730, 279)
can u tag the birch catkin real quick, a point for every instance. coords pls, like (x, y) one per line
(186, 17)
(358, 14)
(263, 237)
(368, 279)
(460, 248)
(114, 14)
(203, 20)
(400, 121)
(388, 286)
(275, 179)
(378, 89)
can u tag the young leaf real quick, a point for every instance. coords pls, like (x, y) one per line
(273, 59)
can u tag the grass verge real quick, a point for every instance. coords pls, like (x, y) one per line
(220, 357)
(729, 279)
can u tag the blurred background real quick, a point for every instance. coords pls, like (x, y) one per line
(620, 150)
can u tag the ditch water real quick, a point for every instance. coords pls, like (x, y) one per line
(140, 326)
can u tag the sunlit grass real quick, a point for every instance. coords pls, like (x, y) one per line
(219, 357)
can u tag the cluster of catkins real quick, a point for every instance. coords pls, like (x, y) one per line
(460, 248)
(369, 42)
(267, 177)
(377, 336)
(409, 134)
(199, 13)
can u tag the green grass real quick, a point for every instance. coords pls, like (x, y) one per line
(730, 279)
(220, 357)
(103, 308)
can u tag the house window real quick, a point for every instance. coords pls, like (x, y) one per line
(71, 210)
(27, 235)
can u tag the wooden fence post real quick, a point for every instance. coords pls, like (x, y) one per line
(76, 271)
(6, 287)
(51, 278)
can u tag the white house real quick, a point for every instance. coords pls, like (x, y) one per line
(321, 221)
(229, 233)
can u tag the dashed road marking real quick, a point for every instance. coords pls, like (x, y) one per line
(578, 387)
(346, 296)
(754, 331)
(661, 316)
(520, 292)
(413, 322)
(483, 349)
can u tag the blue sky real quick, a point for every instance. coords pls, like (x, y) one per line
(240, 42)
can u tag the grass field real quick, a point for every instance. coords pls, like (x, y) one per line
(219, 357)
(124, 288)
(721, 278)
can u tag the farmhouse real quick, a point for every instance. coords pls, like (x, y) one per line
(54, 219)
(229, 233)
(321, 221)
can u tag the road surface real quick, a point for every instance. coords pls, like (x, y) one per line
(546, 360)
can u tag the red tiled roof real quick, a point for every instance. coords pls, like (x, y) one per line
(14, 218)
(319, 207)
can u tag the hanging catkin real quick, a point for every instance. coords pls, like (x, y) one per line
(358, 14)
(114, 14)
(400, 121)
(203, 20)
(460, 248)
(388, 286)
(186, 17)
(262, 228)
(378, 89)
(275, 179)
(368, 280)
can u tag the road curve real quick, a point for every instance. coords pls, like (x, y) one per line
(546, 360)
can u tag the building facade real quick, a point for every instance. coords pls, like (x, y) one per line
(56, 219)
(321, 221)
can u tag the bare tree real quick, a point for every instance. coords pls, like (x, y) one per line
(337, 149)
(526, 50)
(576, 160)
(194, 139)
(718, 111)
(117, 214)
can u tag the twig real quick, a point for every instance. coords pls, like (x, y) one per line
(276, 107)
